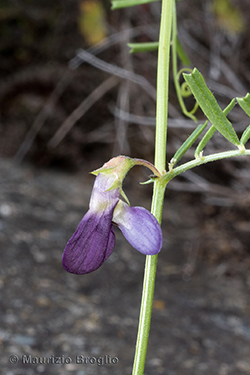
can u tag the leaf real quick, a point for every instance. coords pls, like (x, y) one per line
(211, 131)
(204, 141)
(91, 21)
(153, 46)
(245, 136)
(210, 107)
(182, 54)
(116, 4)
(245, 103)
(187, 144)
(143, 47)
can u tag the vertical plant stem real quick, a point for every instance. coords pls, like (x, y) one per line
(162, 84)
(159, 187)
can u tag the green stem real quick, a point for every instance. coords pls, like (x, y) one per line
(159, 186)
(162, 85)
(203, 160)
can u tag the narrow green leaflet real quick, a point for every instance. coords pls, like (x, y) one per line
(245, 103)
(229, 107)
(181, 53)
(143, 47)
(245, 136)
(153, 46)
(187, 144)
(212, 130)
(204, 141)
(210, 107)
(116, 4)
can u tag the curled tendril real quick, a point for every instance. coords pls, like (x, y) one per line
(185, 90)
(183, 70)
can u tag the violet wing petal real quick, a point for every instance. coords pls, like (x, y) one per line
(139, 227)
(91, 244)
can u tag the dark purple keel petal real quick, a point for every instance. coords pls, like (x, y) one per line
(94, 239)
(139, 227)
(91, 244)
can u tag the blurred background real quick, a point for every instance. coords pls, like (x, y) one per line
(64, 109)
(71, 98)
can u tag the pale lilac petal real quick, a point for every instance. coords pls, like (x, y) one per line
(139, 227)
(101, 197)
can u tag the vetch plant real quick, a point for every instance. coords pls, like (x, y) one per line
(94, 239)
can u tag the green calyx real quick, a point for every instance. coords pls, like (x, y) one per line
(119, 166)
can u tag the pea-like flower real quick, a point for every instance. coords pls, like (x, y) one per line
(94, 239)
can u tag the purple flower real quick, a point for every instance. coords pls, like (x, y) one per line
(94, 239)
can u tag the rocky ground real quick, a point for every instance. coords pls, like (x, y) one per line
(201, 316)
